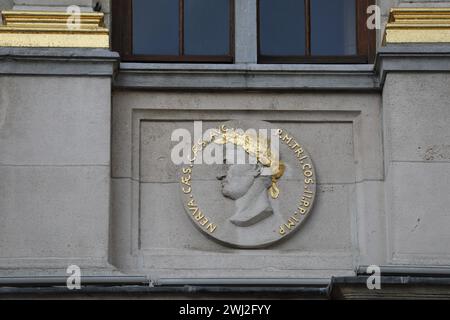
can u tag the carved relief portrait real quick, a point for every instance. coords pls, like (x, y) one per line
(251, 203)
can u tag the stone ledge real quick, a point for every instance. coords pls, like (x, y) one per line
(412, 58)
(58, 61)
(246, 77)
(137, 288)
(162, 76)
(391, 58)
(392, 287)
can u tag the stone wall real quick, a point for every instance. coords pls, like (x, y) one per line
(86, 176)
(55, 160)
(335, 128)
(416, 114)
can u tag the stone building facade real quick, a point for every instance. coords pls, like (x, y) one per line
(86, 177)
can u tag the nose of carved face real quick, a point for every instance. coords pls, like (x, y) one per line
(223, 180)
(221, 176)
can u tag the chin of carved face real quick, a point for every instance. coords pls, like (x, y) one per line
(238, 181)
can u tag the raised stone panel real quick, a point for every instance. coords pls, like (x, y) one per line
(417, 144)
(54, 172)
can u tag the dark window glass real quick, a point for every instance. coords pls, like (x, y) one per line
(333, 27)
(206, 27)
(282, 27)
(155, 27)
(289, 31)
(178, 30)
(314, 31)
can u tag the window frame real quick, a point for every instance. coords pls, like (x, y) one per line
(365, 41)
(122, 27)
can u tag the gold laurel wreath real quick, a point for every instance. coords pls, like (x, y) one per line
(257, 147)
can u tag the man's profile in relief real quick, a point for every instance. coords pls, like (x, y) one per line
(245, 184)
(251, 185)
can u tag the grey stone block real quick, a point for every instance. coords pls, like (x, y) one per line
(416, 111)
(50, 213)
(54, 120)
(418, 215)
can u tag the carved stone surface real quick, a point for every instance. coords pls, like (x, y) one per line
(254, 202)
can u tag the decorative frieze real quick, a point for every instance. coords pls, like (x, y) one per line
(418, 25)
(53, 29)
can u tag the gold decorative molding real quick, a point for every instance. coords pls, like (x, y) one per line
(418, 25)
(53, 29)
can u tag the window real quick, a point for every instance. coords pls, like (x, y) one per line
(324, 31)
(289, 31)
(174, 30)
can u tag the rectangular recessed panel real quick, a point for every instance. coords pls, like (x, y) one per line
(165, 225)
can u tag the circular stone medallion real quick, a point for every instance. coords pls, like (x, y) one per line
(258, 194)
